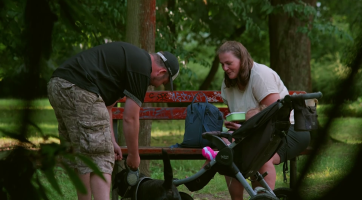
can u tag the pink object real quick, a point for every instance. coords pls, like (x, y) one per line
(208, 153)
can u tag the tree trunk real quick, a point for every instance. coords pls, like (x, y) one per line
(141, 21)
(147, 42)
(210, 76)
(140, 31)
(289, 49)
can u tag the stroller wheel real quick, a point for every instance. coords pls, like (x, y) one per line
(264, 196)
(284, 193)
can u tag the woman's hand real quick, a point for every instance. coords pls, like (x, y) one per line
(232, 125)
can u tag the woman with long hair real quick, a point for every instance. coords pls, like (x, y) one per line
(248, 85)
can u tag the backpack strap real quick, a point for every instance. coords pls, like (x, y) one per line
(195, 98)
(206, 127)
(202, 112)
(203, 121)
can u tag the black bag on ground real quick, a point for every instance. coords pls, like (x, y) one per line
(305, 117)
(201, 117)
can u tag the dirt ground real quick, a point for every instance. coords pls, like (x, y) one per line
(218, 196)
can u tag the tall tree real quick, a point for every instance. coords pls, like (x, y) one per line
(140, 31)
(290, 48)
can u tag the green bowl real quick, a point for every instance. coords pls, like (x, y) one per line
(235, 116)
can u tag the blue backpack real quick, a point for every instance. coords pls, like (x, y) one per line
(201, 117)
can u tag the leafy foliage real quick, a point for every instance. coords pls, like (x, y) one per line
(190, 29)
(76, 29)
(332, 33)
(201, 26)
(34, 44)
(36, 36)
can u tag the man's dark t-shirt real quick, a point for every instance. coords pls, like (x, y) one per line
(111, 70)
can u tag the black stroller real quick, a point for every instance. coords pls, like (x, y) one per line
(256, 141)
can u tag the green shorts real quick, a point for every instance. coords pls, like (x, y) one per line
(295, 143)
(83, 121)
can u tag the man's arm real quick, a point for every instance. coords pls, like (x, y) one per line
(131, 129)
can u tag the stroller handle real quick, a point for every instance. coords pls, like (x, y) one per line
(315, 95)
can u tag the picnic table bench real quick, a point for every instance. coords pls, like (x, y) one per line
(179, 113)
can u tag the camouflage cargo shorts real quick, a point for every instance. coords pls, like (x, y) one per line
(83, 120)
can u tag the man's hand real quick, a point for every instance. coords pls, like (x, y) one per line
(232, 125)
(133, 161)
(117, 152)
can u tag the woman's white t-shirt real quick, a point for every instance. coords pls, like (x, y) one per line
(263, 81)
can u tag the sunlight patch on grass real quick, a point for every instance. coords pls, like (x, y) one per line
(327, 173)
(42, 125)
(349, 140)
(38, 140)
(11, 104)
(158, 133)
(352, 125)
(347, 129)
(8, 142)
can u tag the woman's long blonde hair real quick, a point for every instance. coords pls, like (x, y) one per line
(246, 63)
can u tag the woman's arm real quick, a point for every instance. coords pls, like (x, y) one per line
(270, 99)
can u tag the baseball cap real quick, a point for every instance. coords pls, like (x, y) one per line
(171, 64)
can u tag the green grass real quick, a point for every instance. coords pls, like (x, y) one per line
(67, 188)
(332, 164)
(347, 130)
(11, 104)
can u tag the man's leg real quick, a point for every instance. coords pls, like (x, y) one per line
(62, 102)
(94, 136)
(85, 178)
(100, 188)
